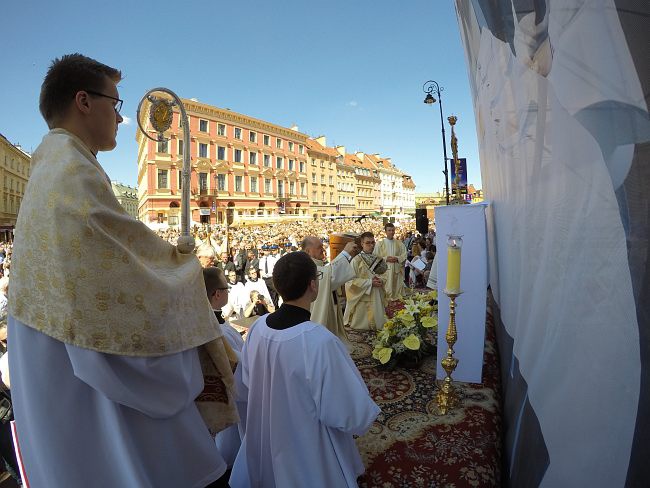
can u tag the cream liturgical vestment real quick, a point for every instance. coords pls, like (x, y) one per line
(112, 305)
(326, 309)
(395, 274)
(365, 308)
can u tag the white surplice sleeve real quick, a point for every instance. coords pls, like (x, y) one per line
(159, 387)
(342, 271)
(341, 397)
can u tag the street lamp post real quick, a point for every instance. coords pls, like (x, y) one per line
(428, 88)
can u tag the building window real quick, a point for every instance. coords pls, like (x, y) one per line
(280, 188)
(203, 150)
(278, 143)
(301, 149)
(313, 177)
(290, 146)
(267, 140)
(314, 197)
(267, 185)
(254, 184)
(238, 156)
(180, 147)
(238, 133)
(252, 158)
(221, 153)
(163, 146)
(221, 129)
(302, 166)
(239, 183)
(267, 161)
(331, 180)
(322, 179)
(292, 188)
(331, 198)
(278, 162)
(303, 189)
(252, 136)
(203, 125)
(323, 197)
(162, 178)
(180, 121)
(180, 179)
(203, 181)
(221, 182)
(291, 164)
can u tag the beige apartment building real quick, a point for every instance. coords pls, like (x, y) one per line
(322, 176)
(127, 196)
(243, 168)
(367, 183)
(15, 168)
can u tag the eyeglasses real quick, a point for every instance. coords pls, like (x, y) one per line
(118, 104)
(319, 275)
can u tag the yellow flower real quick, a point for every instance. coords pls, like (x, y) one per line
(408, 319)
(383, 354)
(412, 342)
(429, 321)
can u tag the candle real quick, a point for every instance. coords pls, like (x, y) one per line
(453, 269)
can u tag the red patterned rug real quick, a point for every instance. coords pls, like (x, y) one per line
(410, 444)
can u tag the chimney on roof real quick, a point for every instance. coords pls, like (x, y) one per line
(341, 150)
(294, 128)
(322, 140)
(377, 155)
(360, 155)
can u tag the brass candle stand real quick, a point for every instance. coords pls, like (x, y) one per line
(446, 396)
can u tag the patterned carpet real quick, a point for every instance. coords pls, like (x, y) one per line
(410, 444)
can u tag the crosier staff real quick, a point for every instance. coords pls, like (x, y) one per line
(161, 114)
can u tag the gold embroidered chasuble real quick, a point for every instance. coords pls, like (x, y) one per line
(86, 273)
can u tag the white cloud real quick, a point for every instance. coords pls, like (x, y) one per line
(126, 120)
(352, 103)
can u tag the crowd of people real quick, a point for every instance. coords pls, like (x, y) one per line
(162, 390)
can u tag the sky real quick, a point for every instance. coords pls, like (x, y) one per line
(351, 70)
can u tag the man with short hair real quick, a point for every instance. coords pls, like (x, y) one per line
(253, 282)
(205, 253)
(301, 397)
(267, 263)
(366, 298)
(326, 309)
(105, 363)
(394, 252)
(225, 264)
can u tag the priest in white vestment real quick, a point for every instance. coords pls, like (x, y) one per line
(109, 325)
(301, 397)
(326, 309)
(394, 253)
(366, 298)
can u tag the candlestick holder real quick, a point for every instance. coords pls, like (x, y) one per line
(446, 396)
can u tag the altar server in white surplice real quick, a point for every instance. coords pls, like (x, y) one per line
(366, 298)
(110, 326)
(394, 253)
(301, 397)
(326, 309)
(228, 441)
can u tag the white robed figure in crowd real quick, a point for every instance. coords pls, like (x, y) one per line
(228, 441)
(301, 397)
(110, 329)
(255, 283)
(237, 297)
(366, 299)
(326, 309)
(394, 253)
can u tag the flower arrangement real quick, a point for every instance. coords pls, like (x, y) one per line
(406, 332)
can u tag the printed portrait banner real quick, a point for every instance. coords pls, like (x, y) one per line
(462, 181)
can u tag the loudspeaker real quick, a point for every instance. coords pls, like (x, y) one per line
(421, 221)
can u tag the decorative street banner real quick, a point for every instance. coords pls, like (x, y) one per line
(463, 176)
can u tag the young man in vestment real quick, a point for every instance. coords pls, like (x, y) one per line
(105, 318)
(394, 253)
(326, 309)
(228, 441)
(301, 397)
(366, 298)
